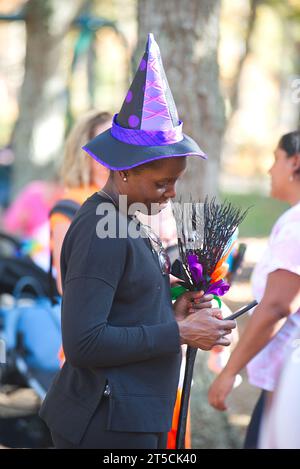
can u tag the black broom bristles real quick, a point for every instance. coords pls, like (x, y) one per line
(203, 230)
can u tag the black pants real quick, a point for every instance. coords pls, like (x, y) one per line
(97, 437)
(251, 440)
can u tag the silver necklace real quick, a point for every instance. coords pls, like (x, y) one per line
(153, 239)
(113, 201)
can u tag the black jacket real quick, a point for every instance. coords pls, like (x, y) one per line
(118, 328)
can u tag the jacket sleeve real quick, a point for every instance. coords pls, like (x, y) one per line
(90, 341)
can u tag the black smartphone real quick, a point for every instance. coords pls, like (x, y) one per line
(242, 310)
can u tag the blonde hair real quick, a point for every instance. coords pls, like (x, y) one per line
(76, 165)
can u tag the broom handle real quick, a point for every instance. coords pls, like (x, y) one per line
(185, 396)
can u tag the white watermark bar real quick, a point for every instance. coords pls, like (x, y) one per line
(113, 222)
(2, 352)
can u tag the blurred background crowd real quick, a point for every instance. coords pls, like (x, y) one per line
(234, 70)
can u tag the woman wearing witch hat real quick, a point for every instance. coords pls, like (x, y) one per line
(121, 333)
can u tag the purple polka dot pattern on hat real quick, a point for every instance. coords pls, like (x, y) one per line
(143, 64)
(133, 121)
(129, 96)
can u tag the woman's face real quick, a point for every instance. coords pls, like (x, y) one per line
(280, 172)
(154, 185)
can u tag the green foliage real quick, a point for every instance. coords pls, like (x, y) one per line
(261, 217)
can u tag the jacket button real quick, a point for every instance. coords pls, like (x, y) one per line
(107, 391)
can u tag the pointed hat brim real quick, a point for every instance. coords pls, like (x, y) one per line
(117, 155)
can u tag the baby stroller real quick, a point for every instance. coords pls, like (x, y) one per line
(30, 339)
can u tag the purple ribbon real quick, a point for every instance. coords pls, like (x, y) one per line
(218, 288)
(195, 267)
(142, 137)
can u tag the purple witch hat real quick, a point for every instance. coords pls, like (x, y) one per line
(147, 127)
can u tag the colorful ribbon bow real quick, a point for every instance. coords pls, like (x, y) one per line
(219, 288)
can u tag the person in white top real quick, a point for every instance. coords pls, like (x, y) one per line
(276, 286)
(280, 427)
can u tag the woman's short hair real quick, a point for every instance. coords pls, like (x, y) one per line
(290, 143)
(76, 165)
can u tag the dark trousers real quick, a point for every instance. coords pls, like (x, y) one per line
(97, 437)
(251, 440)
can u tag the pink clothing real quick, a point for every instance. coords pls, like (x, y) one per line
(30, 210)
(28, 217)
(283, 252)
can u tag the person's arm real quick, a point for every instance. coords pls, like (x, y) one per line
(94, 268)
(281, 298)
(58, 233)
(90, 341)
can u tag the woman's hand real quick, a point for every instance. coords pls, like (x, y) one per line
(191, 302)
(220, 389)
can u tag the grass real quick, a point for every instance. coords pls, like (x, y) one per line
(261, 217)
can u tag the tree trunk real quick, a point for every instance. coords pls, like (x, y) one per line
(38, 134)
(234, 91)
(187, 32)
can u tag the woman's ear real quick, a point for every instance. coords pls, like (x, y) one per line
(296, 164)
(124, 175)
